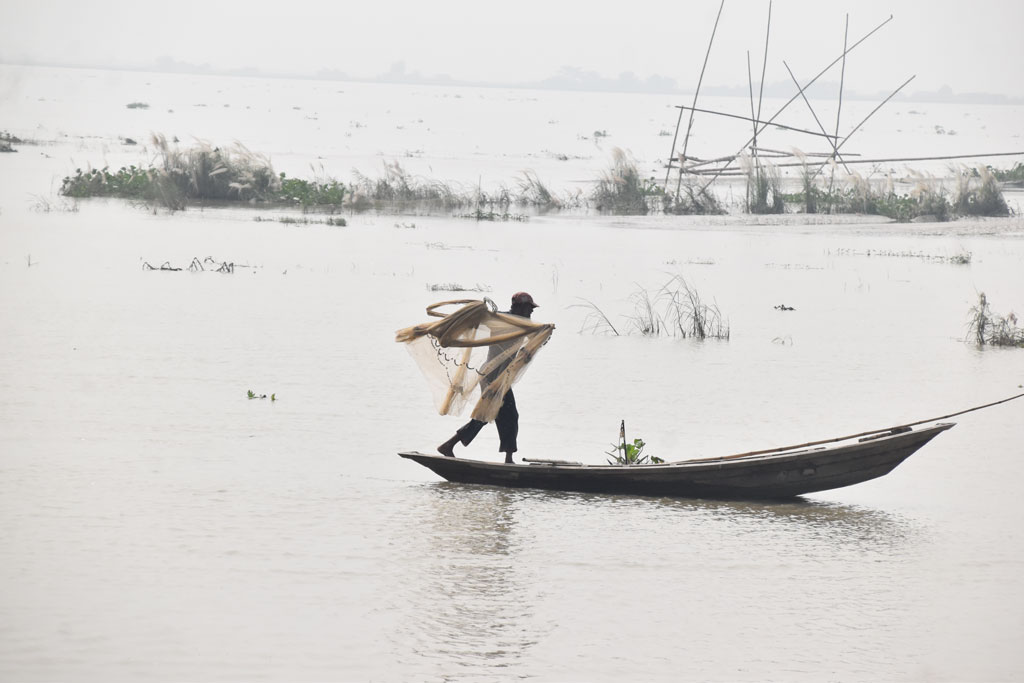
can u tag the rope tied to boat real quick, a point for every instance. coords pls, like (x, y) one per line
(891, 430)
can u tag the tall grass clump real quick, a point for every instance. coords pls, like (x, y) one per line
(621, 190)
(204, 173)
(985, 327)
(763, 187)
(676, 309)
(693, 199)
(811, 194)
(533, 192)
(687, 313)
(399, 187)
(978, 194)
(645, 319)
(856, 193)
(930, 197)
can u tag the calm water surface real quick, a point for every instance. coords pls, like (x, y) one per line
(158, 525)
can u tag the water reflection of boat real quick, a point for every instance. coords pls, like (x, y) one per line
(780, 473)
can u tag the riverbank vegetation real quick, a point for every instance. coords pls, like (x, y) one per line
(1009, 175)
(203, 173)
(977, 192)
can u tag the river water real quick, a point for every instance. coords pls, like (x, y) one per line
(157, 524)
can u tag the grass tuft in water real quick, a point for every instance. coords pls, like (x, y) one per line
(595, 321)
(693, 200)
(687, 313)
(987, 328)
(764, 195)
(397, 186)
(978, 194)
(676, 309)
(621, 190)
(533, 192)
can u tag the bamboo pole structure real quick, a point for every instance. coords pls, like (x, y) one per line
(865, 120)
(839, 109)
(689, 126)
(835, 148)
(764, 66)
(753, 119)
(679, 120)
(806, 154)
(811, 82)
(893, 160)
(760, 93)
(756, 121)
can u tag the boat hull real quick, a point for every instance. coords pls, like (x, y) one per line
(782, 474)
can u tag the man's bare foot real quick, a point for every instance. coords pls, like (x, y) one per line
(447, 449)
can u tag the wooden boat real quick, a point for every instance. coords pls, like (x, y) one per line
(779, 473)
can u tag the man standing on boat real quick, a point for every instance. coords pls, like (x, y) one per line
(507, 419)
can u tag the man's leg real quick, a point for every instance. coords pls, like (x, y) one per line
(465, 435)
(507, 422)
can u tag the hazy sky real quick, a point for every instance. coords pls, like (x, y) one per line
(969, 45)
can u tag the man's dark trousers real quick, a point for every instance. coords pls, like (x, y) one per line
(507, 422)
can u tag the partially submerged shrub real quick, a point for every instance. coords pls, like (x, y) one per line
(620, 189)
(206, 172)
(693, 199)
(931, 199)
(763, 187)
(1009, 175)
(532, 192)
(984, 327)
(7, 142)
(398, 186)
(978, 194)
(127, 183)
(858, 194)
(320, 194)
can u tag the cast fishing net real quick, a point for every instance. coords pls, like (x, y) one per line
(473, 353)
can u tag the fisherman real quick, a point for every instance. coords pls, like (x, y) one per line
(507, 420)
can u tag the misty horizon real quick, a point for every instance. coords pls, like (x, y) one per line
(566, 78)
